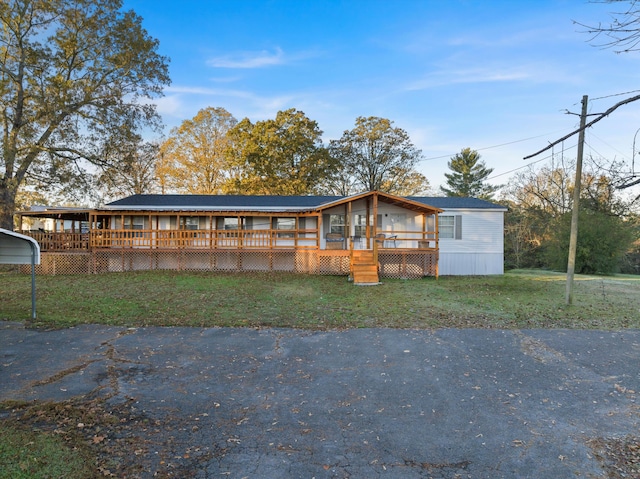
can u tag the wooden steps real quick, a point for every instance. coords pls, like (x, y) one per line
(364, 269)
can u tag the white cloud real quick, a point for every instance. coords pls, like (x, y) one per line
(479, 75)
(182, 102)
(168, 105)
(249, 59)
(204, 91)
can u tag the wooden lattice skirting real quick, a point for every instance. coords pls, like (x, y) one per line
(393, 264)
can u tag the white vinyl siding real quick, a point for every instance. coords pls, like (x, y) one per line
(480, 249)
(470, 264)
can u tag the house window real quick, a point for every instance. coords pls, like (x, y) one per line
(360, 225)
(337, 224)
(285, 224)
(450, 227)
(231, 223)
(190, 222)
(398, 221)
(133, 223)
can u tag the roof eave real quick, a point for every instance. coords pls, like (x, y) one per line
(386, 198)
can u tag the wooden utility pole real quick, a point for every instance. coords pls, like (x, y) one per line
(573, 240)
(576, 193)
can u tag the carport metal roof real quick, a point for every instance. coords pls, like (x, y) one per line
(20, 249)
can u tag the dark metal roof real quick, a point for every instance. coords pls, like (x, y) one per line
(449, 202)
(228, 202)
(271, 202)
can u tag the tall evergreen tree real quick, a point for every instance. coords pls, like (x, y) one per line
(468, 176)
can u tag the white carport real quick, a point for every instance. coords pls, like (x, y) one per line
(20, 249)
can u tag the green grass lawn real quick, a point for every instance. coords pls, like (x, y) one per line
(32, 454)
(518, 299)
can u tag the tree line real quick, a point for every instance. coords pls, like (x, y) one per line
(538, 221)
(213, 153)
(77, 80)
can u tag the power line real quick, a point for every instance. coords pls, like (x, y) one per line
(607, 144)
(586, 125)
(615, 94)
(529, 164)
(495, 146)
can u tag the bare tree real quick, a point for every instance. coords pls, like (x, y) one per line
(622, 33)
(135, 173)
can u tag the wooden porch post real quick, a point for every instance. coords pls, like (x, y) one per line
(367, 229)
(272, 233)
(211, 233)
(375, 213)
(348, 225)
(375, 226)
(179, 232)
(437, 247)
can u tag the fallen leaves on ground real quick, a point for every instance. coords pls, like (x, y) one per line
(620, 457)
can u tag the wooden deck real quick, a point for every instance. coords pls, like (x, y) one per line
(102, 251)
(268, 239)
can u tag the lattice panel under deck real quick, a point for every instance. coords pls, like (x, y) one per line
(393, 264)
(61, 263)
(333, 265)
(193, 260)
(406, 265)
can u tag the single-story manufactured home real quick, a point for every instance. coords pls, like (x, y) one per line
(365, 236)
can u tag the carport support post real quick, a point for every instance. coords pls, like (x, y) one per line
(33, 281)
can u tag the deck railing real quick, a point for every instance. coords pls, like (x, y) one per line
(213, 239)
(205, 239)
(49, 241)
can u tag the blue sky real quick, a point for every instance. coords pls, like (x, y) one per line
(452, 73)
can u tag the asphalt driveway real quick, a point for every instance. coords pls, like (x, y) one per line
(367, 403)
